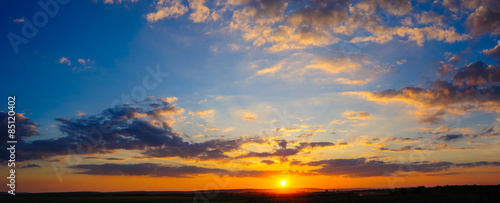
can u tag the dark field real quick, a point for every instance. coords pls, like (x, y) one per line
(419, 194)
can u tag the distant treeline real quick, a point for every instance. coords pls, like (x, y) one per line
(446, 188)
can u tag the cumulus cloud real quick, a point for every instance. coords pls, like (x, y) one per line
(477, 73)
(431, 17)
(127, 127)
(276, 26)
(463, 93)
(493, 52)
(25, 127)
(167, 9)
(200, 12)
(485, 18)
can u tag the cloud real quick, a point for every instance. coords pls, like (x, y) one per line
(143, 169)
(458, 5)
(334, 65)
(118, 1)
(442, 98)
(320, 14)
(167, 9)
(248, 116)
(400, 62)
(431, 17)
(272, 69)
(485, 19)
(361, 167)
(82, 65)
(450, 137)
(348, 69)
(31, 166)
(211, 149)
(316, 130)
(205, 114)
(477, 73)
(288, 129)
(416, 34)
(25, 128)
(494, 52)
(356, 115)
(284, 151)
(161, 170)
(444, 69)
(400, 149)
(124, 127)
(267, 162)
(201, 13)
(21, 20)
(65, 60)
(353, 82)
(304, 135)
(169, 100)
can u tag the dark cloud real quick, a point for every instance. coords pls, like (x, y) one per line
(31, 166)
(114, 159)
(362, 167)
(433, 118)
(404, 139)
(494, 52)
(485, 19)
(479, 163)
(477, 73)
(459, 5)
(268, 162)
(284, 152)
(124, 127)
(160, 170)
(475, 86)
(320, 14)
(450, 137)
(143, 169)
(212, 149)
(400, 149)
(25, 127)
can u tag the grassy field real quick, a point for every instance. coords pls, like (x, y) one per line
(405, 195)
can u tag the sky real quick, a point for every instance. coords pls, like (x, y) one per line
(133, 95)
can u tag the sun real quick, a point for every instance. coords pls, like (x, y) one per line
(283, 183)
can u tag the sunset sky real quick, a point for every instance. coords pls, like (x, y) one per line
(133, 95)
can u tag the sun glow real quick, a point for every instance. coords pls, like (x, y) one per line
(283, 183)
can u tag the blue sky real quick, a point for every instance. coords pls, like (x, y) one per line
(354, 72)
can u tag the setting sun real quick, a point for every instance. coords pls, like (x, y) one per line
(283, 182)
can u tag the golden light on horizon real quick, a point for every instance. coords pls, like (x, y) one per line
(283, 183)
